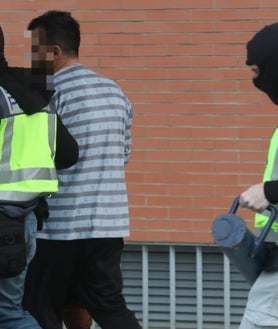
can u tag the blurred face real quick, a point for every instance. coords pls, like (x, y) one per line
(41, 59)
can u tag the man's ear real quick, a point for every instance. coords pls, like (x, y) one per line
(57, 51)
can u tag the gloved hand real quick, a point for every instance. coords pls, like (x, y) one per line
(41, 212)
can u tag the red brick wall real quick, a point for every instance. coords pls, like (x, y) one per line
(201, 130)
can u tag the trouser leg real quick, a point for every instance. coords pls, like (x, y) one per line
(262, 304)
(99, 287)
(246, 324)
(12, 315)
(47, 282)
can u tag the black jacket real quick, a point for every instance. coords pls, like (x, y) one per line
(32, 97)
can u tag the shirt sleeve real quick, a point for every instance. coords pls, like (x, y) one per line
(128, 130)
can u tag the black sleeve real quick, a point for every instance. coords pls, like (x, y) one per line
(66, 147)
(271, 191)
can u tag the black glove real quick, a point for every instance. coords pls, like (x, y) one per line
(41, 212)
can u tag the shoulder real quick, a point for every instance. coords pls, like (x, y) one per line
(8, 105)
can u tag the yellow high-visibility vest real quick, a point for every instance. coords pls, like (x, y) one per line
(271, 173)
(27, 151)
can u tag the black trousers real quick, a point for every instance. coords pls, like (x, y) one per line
(86, 272)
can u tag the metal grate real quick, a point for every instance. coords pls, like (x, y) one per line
(183, 287)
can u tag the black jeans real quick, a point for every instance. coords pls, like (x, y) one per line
(86, 272)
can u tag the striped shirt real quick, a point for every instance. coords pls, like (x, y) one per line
(92, 198)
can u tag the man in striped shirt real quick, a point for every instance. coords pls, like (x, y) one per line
(79, 248)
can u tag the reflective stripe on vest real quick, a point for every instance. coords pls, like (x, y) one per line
(271, 173)
(27, 150)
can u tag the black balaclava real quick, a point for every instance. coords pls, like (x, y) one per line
(3, 62)
(262, 50)
(19, 82)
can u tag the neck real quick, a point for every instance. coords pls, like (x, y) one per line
(64, 62)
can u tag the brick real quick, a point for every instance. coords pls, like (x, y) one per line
(237, 4)
(167, 15)
(213, 14)
(120, 61)
(189, 4)
(258, 13)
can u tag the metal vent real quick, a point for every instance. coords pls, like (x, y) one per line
(183, 287)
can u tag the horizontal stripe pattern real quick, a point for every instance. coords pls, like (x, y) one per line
(92, 199)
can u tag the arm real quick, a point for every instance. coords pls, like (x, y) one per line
(128, 131)
(66, 147)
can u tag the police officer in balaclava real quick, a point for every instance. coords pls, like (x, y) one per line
(261, 310)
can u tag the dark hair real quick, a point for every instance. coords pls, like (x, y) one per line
(61, 29)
